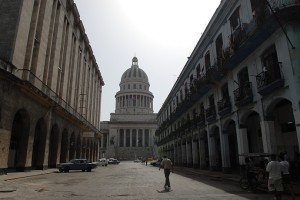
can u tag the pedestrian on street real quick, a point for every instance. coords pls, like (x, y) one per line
(167, 165)
(286, 178)
(274, 168)
(250, 172)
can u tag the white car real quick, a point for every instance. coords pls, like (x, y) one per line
(102, 162)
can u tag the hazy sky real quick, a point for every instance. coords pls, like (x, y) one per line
(160, 33)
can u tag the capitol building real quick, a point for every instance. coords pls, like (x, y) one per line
(130, 133)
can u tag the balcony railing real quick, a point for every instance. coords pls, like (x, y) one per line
(268, 81)
(243, 95)
(224, 106)
(214, 74)
(27, 77)
(211, 113)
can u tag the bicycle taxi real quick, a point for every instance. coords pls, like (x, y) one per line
(260, 177)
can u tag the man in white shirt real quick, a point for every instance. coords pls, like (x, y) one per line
(274, 168)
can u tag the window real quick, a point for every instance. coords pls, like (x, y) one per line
(225, 93)
(235, 20)
(219, 50)
(270, 63)
(134, 86)
(243, 76)
(128, 86)
(207, 60)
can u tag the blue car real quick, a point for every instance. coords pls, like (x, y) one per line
(76, 164)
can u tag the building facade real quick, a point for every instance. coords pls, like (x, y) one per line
(239, 91)
(50, 86)
(130, 133)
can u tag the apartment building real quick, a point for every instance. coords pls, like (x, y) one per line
(239, 91)
(50, 86)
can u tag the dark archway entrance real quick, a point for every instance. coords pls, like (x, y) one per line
(53, 146)
(254, 133)
(64, 146)
(19, 141)
(72, 147)
(233, 148)
(39, 144)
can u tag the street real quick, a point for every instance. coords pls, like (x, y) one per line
(128, 180)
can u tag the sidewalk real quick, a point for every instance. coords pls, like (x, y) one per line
(4, 187)
(234, 177)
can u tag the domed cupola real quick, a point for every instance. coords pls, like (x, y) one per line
(134, 73)
(134, 95)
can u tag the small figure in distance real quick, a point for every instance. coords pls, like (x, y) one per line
(167, 165)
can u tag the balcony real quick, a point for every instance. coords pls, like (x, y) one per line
(31, 83)
(286, 10)
(243, 95)
(224, 106)
(214, 74)
(199, 120)
(269, 81)
(211, 113)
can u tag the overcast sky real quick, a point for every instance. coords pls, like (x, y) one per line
(160, 33)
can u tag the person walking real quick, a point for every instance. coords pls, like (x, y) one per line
(286, 178)
(167, 165)
(250, 173)
(274, 168)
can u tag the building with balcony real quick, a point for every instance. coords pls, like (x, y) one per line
(130, 133)
(239, 91)
(50, 86)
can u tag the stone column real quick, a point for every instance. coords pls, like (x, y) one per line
(195, 153)
(268, 136)
(242, 140)
(212, 152)
(183, 153)
(202, 153)
(189, 153)
(225, 152)
(297, 123)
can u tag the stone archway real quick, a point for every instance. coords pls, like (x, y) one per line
(53, 146)
(281, 113)
(64, 146)
(19, 141)
(39, 145)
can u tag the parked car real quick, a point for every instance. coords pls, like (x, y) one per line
(102, 162)
(76, 164)
(155, 163)
(137, 161)
(113, 161)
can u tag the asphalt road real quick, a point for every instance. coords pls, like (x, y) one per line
(128, 180)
